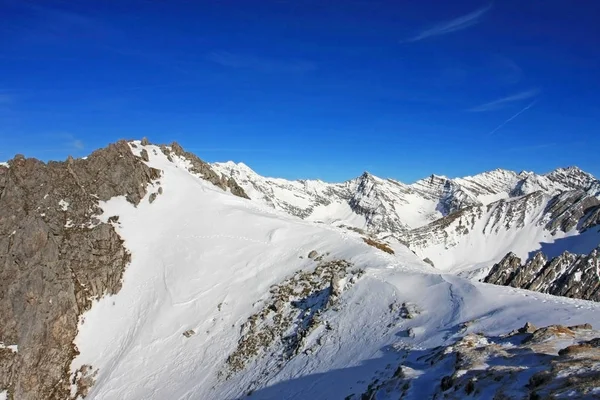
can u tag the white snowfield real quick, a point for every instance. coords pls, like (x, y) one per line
(490, 239)
(204, 260)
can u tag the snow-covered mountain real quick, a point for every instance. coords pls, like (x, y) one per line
(457, 224)
(387, 205)
(142, 272)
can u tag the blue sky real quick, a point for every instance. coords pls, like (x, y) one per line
(308, 89)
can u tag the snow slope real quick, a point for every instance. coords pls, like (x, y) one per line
(204, 260)
(481, 236)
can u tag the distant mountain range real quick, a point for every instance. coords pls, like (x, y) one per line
(459, 225)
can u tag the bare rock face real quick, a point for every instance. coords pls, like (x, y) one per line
(524, 364)
(567, 209)
(55, 256)
(569, 275)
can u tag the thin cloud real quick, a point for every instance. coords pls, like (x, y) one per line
(505, 101)
(70, 142)
(527, 107)
(454, 25)
(77, 144)
(60, 21)
(260, 64)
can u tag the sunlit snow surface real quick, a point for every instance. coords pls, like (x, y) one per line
(196, 247)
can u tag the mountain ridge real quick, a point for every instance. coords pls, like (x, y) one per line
(566, 171)
(121, 270)
(462, 225)
(384, 204)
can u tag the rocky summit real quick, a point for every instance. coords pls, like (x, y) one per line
(56, 257)
(143, 272)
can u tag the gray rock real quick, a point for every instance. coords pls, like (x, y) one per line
(144, 155)
(585, 326)
(313, 254)
(567, 209)
(528, 328)
(145, 141)
(189, 333)
(569, 275)
(428, 261)
(50, 272)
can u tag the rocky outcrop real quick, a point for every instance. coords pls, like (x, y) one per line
(292, 312)
(55, 257)
(567, 275)
(565, 211)
(524, 364)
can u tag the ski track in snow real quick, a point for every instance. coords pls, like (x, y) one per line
(204, 260)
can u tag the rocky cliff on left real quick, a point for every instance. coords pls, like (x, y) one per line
(55, 258)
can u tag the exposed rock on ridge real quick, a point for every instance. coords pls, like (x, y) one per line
(528, 363)
(569, 275)
(55, 257)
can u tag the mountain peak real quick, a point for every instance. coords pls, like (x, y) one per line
(571, 177)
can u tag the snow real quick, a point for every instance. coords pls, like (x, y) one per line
(204, 259)
(490, 239)
(64, 205)
(337, 213)
(4, 395)
(12, 347)
(4, 164)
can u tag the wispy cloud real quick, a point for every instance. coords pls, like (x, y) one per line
(260, 64)
(505, 101)
(58, 24)
(77, 144)
(70, 142)
(527, 107)
(454, 25)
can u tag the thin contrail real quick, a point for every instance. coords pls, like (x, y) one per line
(513, 117)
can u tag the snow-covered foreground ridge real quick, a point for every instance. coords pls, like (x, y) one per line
(222, 301)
